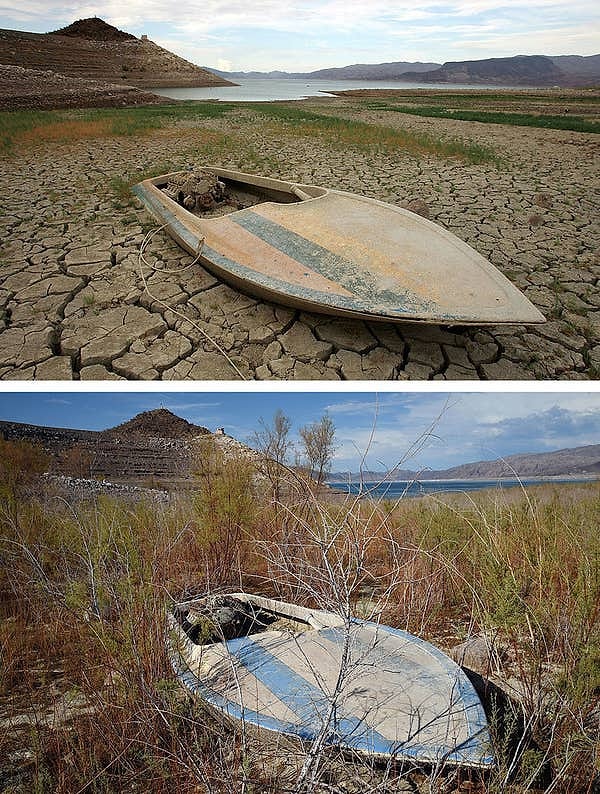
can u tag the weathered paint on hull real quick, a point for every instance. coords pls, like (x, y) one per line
(342, 254)
(402, 697)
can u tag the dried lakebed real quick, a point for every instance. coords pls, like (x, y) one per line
(76, 303)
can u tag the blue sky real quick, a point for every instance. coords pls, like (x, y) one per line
(462, 426)
(302, 35)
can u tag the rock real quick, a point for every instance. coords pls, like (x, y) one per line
(98, 372)
(479, 653)
(301, 343)
(55, 368)
(347, 334)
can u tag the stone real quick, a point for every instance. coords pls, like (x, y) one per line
(346, 334)
(304, 371)
(263, 373)
(301, 343)
(429, 353)
(88, 255)
(262, 334)
(98, 372)
(55, 368)
(169, 349)
(272, 352)
(135, 366)
(106, 348)
(479, 653)
(505, 370)
(22, 347)
(415, 371)
(207, 366)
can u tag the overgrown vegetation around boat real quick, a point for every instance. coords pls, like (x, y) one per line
(87, 695)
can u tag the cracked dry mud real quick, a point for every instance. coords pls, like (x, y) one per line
(74, 304)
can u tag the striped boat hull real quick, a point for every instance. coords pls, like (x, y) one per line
(342, 254)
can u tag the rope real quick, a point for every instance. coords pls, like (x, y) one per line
(143, 261)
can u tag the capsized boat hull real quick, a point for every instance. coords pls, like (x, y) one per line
(400, 698)
(342, 254)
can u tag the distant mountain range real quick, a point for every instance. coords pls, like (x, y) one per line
(358, 71)
(525, 70)
(578, 461)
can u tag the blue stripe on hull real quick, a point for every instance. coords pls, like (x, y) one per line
(308, 701)
(311, 704)
(351, 276)
(364, 301)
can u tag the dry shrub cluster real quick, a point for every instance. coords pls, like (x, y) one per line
(89, 702)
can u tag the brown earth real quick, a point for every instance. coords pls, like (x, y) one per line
(34, 89)
(76, 302)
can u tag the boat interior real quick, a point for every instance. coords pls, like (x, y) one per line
(236, 192)
(221, 618)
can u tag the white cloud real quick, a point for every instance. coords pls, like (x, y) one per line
(463, 427)
(244, 35)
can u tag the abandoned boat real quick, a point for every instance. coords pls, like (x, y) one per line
(331, 252)
(363, 687)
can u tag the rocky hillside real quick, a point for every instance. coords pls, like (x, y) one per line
(159, 423)
(37, 89)
(93, 49)
(530, 70)
(153, 446)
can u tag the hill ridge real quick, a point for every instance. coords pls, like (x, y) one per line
(102, 52)
(93, 28)
(569, 461)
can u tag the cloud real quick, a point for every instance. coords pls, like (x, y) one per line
(440, 430)
(311, 34)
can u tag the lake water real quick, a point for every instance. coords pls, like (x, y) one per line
(396, 489)
(266, 90)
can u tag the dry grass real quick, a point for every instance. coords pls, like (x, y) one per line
(84, 591)
(66, 131)
(346, 133)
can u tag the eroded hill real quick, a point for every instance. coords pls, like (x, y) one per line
(93, 49)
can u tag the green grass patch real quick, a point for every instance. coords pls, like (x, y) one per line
(342, 133)
(573, 123)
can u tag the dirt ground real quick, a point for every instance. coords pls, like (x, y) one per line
(77, 303)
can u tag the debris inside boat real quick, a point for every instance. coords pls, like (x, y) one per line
(205, 195)
(329, 251)
(306, 673)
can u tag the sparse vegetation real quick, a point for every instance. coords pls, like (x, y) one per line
(344, 132)
(546, 121)
(27, 128)
(89, 702)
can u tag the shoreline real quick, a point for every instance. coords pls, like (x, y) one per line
(530, 480)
